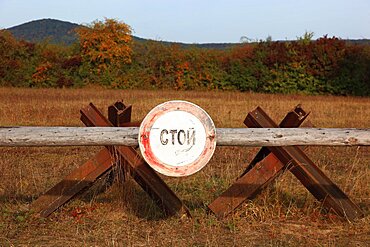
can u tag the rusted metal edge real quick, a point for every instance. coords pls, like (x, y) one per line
(78, 180)
(119, 114)
(247, 186)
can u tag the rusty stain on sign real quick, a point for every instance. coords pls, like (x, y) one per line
(177, 138)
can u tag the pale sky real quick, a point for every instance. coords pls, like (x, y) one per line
(209, 21)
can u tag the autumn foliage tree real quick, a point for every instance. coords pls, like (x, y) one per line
(106, 56)
(105, 43)
(15, 59)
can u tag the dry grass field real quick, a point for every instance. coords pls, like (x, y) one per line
(284, 214)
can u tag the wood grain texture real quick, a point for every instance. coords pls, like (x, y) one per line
(128, 136)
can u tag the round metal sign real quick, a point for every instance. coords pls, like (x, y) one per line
(177, 138)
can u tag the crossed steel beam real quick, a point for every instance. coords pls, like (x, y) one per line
(271, 161)
(85, 175)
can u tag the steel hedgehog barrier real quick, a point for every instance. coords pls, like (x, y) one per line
(178, 138)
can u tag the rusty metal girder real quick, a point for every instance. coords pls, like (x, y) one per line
(293, 119)
(320, 186)
(82, 177)
(143, 174)
(261, 171)
(78, 180)
(115, 115)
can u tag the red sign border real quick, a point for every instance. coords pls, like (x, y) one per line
(166, 169)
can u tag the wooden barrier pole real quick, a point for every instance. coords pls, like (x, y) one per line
(128, 136)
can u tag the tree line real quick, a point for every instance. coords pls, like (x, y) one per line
(107, 56)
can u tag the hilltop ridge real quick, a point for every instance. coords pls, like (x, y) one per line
(62, 32)
(54, 31)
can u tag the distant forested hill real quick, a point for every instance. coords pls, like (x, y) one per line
(61, 32)
(54, 31)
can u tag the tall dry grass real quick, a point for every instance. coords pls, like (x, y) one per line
(123, 215)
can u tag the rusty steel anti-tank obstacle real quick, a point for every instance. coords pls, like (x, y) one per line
(263, 168)
(84, 176)
(271, 161)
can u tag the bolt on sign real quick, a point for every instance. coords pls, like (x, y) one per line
(177, 138)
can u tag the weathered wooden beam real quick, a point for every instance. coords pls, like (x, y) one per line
(128, 136)
(271, 137)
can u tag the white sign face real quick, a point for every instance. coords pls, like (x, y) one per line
(177, 138)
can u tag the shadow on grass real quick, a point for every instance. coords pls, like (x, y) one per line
(16, 198)
(128, 195)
